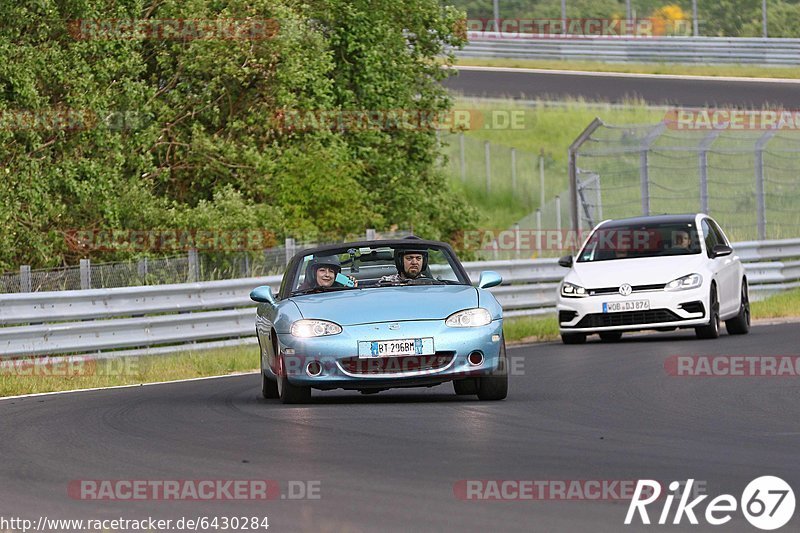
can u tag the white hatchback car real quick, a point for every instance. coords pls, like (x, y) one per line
(654, 272)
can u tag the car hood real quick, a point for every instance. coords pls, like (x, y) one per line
(385, 304)
(638, 271)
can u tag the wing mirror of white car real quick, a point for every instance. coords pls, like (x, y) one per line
(263, 294)
(489, 278)
(721, 250)
(565, 261)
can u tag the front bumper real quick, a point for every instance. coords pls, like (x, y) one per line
(668, 309)
(340, 366)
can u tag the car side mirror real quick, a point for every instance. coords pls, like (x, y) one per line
(721, 250)
(566, 261)
(263, 294)
(489, 278)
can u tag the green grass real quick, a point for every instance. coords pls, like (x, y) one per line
(130, 371)
(744, 71)
(530, 329)
(785, 304)
(151, 369)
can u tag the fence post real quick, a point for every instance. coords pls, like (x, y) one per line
(517, 239)
(541, 177)
(488, 160)
(142, 270)
(462, 157)
(86, 274)
(558, 214)
(539, 231)
(644, 170)
(25, 278)
(370, 234)
(705, 144)
(514, 170)
(289, 247)
(194, 266)
(761, 206)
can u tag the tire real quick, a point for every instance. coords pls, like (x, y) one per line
(495, 386)
(291, 393)
(573, 338)
(740, 324)
(466, 386)
(711, 331)
(269, 388)
(611, 336)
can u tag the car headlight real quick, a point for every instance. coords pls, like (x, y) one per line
(314, 328)
(569, 290)
(469, 318)
(692, 281)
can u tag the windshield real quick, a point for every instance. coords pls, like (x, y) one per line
(375, 267)
(635, 241)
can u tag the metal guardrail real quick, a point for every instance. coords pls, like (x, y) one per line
(168, 318)
(708, 50)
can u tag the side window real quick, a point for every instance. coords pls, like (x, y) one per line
(718, 233)
(710, 237)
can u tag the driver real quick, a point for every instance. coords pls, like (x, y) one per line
(410, 263)
(322, 271)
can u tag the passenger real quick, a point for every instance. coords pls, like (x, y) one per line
(322, 271)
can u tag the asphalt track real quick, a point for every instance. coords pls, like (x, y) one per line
(528, 84)
(389, 462)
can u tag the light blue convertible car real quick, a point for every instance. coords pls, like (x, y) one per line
(375, 315)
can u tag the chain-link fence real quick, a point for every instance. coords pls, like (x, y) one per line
(748, 180)
(506, 174)
(190, 267)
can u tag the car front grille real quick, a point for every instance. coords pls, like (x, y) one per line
(628, 318)
(396, 365)
(634, 289)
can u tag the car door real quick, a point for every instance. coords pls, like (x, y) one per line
(731, 273)
(723, 267)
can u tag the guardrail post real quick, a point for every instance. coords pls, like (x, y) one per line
(194, 266)
(462, 157)
(370, 234)
(25, 278)
(86, 274)
(488, 160)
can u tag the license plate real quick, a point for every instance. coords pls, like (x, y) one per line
(630, 305)
(395, 347)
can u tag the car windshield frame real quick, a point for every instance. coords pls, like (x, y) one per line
(638, 240)
(382, 254)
